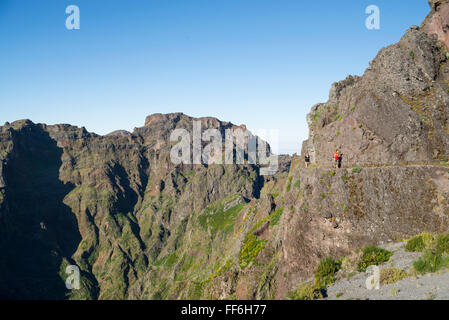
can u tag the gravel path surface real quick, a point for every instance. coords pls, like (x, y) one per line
(427, 287)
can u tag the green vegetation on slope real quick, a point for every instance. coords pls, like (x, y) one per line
(250, 249)
(435, 250)
(305, 291)
(216, 218)
(430, 262)
(324, 276)
(325, 272)
(373, 256)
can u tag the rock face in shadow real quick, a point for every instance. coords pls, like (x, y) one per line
(38, 229)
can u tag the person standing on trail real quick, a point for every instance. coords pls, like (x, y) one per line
(307, 159)
(340, 159)
(337, 159)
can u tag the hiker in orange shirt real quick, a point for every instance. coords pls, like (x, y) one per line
(338, 158)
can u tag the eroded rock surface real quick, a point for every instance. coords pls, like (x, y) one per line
(397, 112)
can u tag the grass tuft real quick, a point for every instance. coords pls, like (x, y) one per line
(356, 170)
(306, 292)
(373, 256)
(391, 275)
(430, 262)
(325, 272)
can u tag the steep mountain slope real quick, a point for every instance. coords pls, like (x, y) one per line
(140, 227)
(391, 125)
(137, 225)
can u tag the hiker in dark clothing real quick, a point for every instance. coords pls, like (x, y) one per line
(307, 159)
(340, 159)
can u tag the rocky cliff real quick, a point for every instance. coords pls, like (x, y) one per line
(141, 227)
(114, 205)
(397, 111)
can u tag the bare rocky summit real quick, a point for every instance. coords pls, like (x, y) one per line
(395, 113)
(438, 21)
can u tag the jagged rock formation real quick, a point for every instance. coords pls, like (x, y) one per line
(438, 21)
(140, 227)
(109, 204)
(397, 111)
(392, 122)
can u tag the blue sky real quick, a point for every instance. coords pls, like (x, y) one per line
(261, 63)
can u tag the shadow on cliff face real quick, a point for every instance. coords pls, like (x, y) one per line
(39, 229)
(127, 197)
